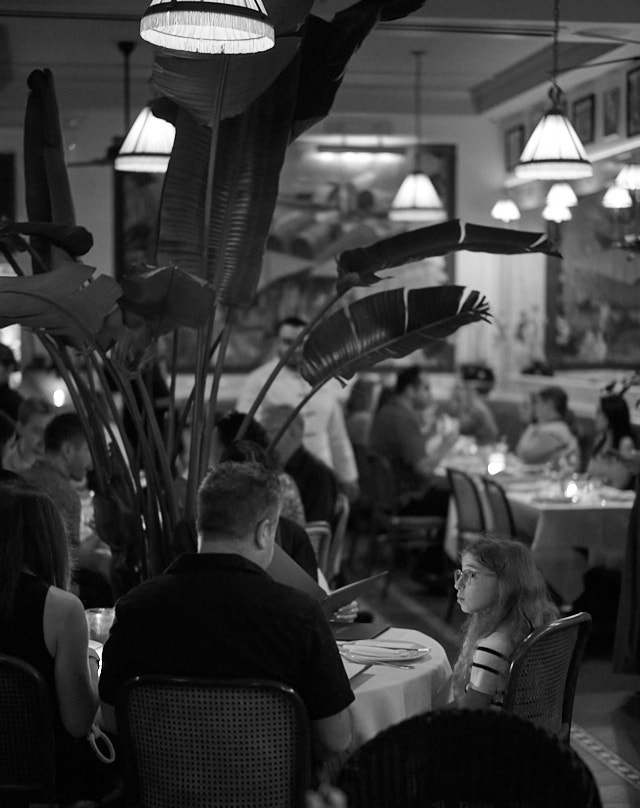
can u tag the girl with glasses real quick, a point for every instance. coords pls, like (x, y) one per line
(505, 596)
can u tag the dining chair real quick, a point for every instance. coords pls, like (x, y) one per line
(542, 677)
(338, 540)
(320, 535)
(503, 524)
(467, 758)
(215, 743)
(471, 523)
(27, 760)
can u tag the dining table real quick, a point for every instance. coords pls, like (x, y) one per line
(388, 693)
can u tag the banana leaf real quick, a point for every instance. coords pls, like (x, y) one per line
(73, 239)
(358, 267)
(386, 326)
(66, 303)
(48, 192)
(249, 157)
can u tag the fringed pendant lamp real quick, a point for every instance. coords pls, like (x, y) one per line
(206, 26)
(554, 150)
(617, 198)
(505, 210)
(147, 146)
(417, 199)
(561, 194)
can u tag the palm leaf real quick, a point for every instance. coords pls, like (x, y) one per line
(66, 303)
(385, 326)
(358, 267)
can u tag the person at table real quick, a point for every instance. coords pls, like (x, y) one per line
(551, 437)
(216, 613)
(42, 623)
(475, 419)
(33, 416)
(10, 399)
(614, 442)
(397, 435)
(505, 596)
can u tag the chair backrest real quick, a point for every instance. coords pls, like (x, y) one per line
(375, 478)
(503, 523)
(541, 682)
(216, 743)
(336, 548)
(471, 521)
(320, 537)
(467, 758)
(27, 762)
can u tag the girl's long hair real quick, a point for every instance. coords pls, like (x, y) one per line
(521, 606)
(616, 410)
(33, 537)
(558, 397)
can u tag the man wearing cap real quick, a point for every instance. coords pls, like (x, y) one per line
(10, 399)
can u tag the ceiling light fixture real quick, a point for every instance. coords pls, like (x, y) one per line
(417, 199)
(147, 146)
(554, 150)
(556, 213)
(208, 26)
(562, 194)
(617, 198)
(505, 210)
(629, 177)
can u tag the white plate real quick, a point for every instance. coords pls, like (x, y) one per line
(368, 651)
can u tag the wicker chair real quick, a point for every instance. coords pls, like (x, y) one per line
(196, 742)
(504, 525)
(467, 759)
(320, 536)
(541, 683)
(27, 762)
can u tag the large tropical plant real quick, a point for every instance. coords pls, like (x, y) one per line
(234, 117)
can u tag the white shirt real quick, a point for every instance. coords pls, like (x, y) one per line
(325, 433)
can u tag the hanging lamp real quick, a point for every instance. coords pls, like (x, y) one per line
(617, 198)
(561, 194)
(554, 150)
(208, 26)
(556, 213)
(505, 210)
(417, 199)
(629, 177)
(147, 146)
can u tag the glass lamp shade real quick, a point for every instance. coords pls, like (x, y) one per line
(505, 210)
(561, 194)
(417, 200)
(617, 198)
(147, 146)
(556, 213)
(629, 177)
(208, 26)
(554, 151)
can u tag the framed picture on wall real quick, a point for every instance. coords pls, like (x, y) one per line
(611, 112)
(513, 146)
(583, 117)
(633, 102)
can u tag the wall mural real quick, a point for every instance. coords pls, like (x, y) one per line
(593, 293)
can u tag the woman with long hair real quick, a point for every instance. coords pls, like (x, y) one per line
(613, 444)
(42, 623)
(551, 437)
(505, 596)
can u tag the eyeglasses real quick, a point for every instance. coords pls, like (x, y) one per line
(464, 577)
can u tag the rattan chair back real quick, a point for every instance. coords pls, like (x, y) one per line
(471, 521)
(198, 743)
(541, 682)
(503, 524)
(338, 539)
(467, 759)
(319, 533)
(27, 761)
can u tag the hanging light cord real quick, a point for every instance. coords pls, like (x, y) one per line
(555, 91)
(417, 105)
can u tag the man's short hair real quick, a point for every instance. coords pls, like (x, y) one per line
(295, 322)
(234, 497)
(33, 406)
(409, 377)
(61, 428)
(229, 424)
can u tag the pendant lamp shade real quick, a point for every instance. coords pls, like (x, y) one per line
(617, 198)
(417, 199)
(147, 146)
(556, 213)
(207, 26)
(561, 194)
(629, 177)
(505, 210)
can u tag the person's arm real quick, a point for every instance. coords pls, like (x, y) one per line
(344, 461)
(489, 666)
(332, 734)
(76, 674)
(537, 446)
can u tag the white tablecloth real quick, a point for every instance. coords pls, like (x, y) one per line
(386, 696)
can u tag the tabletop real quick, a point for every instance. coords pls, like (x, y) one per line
(387, 695)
